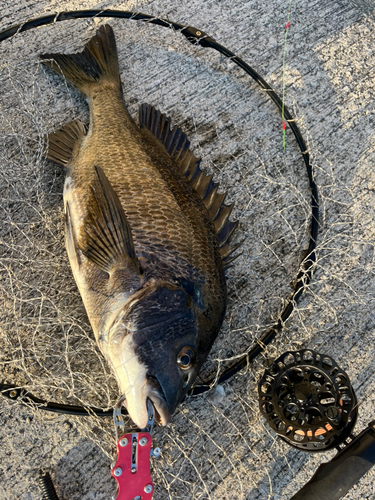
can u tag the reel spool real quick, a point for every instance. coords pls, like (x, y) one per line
(308, 400)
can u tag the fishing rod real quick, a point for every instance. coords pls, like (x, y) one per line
(196, 37)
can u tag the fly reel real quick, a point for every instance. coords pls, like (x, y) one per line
(308, 400)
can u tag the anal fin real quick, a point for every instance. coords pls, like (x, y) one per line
(62, 143)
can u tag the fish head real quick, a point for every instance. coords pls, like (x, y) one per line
(152, 348)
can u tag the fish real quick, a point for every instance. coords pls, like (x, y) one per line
(147, 233)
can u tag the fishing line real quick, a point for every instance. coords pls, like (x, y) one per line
(199, 38)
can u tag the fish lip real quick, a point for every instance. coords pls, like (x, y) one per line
(160, 407)
(156, 395)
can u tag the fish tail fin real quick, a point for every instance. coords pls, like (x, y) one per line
(97, 64)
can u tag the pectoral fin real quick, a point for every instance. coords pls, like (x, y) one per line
(105, 237)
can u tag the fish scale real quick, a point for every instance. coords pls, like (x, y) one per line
(156, 226)
(144, 226)
(142, 188)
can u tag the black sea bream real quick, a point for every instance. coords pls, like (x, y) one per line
(147, 235)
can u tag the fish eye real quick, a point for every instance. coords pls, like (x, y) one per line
(186, 357)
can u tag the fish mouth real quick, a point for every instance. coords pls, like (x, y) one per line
(136, 403)
(157, 398)
(136, 383)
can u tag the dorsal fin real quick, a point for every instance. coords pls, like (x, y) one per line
(177, 145)
(226, 254)
(175, 141)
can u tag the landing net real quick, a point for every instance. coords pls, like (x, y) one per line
(217, 446)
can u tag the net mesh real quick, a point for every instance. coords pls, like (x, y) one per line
(217, 445)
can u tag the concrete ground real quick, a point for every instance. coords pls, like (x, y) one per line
(216, 446)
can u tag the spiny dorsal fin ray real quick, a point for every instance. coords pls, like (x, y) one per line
(174, 140)
(217, 205)
(177, 145)
(226, 254)
(197, 180)
(62, 142)
(226, 232)
(223, 217)
(211, 195)
(106, 237)
(204, 184)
